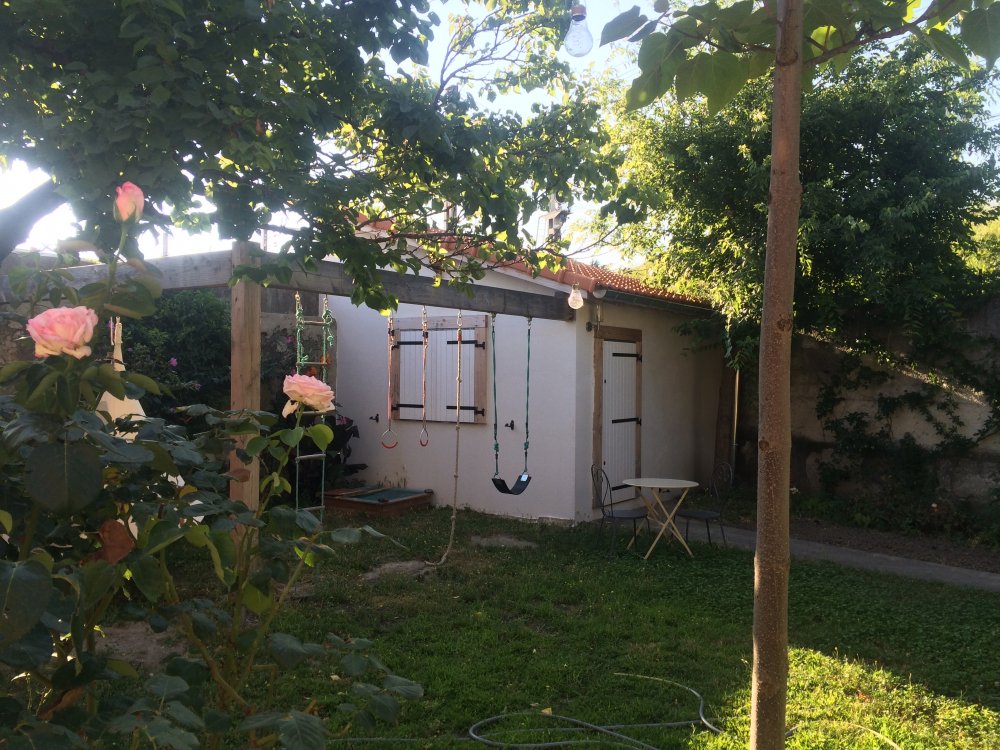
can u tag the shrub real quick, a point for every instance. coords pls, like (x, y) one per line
(185, 346)
(94, 517)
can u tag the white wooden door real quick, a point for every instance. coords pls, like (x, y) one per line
(620, 415)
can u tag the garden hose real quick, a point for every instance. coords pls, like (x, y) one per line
(610, 735)
(613, 732)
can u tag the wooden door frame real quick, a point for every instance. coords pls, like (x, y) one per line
(627, 335)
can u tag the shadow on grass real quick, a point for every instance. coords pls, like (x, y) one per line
(562, 627)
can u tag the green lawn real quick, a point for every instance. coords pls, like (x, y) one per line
(562, 627)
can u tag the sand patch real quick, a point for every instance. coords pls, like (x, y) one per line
(414, 568)
(502, 540)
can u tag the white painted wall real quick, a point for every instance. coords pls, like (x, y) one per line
(679, 396)
(361, 391)
(679, 399)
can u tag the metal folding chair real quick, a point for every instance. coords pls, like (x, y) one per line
(612, 512)
(718, 491)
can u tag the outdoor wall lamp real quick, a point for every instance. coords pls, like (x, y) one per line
(575, 298)
(598, 314)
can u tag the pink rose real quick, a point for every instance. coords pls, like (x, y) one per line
(305, 389)
(128, 203)
(63, 330)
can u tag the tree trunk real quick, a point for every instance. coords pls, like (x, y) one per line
(17, 219)
(771, 563)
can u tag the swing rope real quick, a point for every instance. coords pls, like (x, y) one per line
(527, 396)
(425, 437)
(458, 429)
(389, 439)
(496, 440)
(522, 481)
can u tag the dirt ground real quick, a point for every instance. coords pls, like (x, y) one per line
(143, 649)
(936, 550)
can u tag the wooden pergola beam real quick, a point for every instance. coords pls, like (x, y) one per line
(215, 269)
(207, 270)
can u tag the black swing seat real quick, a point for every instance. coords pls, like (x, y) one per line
(519, 485)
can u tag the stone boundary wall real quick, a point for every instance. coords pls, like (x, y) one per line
(974, 475)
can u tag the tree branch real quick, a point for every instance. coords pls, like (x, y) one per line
(933, 10)
(17, 220)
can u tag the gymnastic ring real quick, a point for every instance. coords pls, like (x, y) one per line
(387, 436)
(425, 438)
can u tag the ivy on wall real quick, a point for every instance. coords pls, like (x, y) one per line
(875, 476)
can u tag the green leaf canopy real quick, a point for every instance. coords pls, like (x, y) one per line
(264, 108)
(24, 595)
(891, 196)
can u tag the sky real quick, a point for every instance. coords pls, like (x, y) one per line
(18, 179)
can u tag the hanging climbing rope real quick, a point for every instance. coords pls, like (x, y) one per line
(522, 481)
(425, 437)
(329, 345)
(389, 439)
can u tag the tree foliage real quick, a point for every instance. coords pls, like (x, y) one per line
(898, 167)
(713, 51)
(323, 110)
(985, 256)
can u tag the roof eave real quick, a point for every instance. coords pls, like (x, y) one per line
(689, 309)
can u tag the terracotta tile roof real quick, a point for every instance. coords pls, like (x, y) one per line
(587, 276)
(590, 277)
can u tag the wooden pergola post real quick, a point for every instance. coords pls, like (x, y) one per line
(244, 389)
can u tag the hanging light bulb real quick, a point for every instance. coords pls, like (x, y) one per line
(578, 41)
(575, 298)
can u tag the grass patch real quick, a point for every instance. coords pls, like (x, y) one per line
(561, 627)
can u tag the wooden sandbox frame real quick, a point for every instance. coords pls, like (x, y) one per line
(384, 502)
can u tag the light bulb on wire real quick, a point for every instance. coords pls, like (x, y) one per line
(578, 40)
(575, 298)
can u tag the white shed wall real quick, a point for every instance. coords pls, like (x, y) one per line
(680, 391)
(552, 458)
(679, 395)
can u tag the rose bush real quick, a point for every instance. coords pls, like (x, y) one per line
(63, 330)
(305, 389)
(92, 522)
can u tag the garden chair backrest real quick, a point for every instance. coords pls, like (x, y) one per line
(602, 488)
